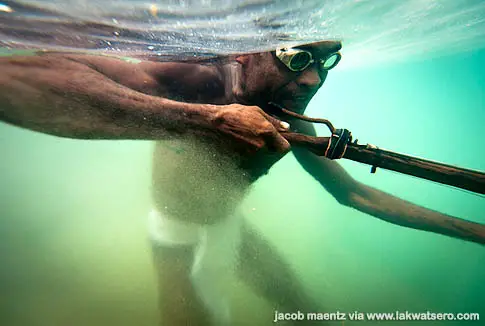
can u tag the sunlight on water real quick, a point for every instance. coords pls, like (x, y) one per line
(373, 32)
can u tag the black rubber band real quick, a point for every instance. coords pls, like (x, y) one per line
(338, 144)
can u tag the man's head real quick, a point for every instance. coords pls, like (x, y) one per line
(289, 77)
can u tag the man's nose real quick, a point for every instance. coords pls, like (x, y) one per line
(312, 77)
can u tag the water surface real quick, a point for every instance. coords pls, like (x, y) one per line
(73, 213)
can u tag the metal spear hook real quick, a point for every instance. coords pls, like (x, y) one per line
(340, 145)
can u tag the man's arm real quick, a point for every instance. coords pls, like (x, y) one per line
(60, 95)
(349, 192)
(94, 97)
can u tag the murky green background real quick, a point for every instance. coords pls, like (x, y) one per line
(73, 243)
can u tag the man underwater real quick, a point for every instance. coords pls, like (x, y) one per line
(214, 137)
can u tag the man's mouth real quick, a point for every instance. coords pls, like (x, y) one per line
(294, 100)
(295, 103)
(300, 98)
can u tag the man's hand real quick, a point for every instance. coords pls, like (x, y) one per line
(254, 135)
(253, 128)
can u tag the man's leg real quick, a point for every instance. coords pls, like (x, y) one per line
(265, 271)
(195, 193)
(178, 303)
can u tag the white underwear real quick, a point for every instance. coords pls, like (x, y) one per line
(215, 256)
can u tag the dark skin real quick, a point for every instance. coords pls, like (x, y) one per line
(92, 97)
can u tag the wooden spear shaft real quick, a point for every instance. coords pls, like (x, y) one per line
(442, 173)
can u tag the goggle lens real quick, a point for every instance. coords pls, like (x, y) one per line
(300, 61)
(330, 62)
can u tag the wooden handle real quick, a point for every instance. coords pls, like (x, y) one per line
(418, 167)
(434, 171)
(317, 145)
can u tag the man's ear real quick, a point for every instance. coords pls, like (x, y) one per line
(242, 59)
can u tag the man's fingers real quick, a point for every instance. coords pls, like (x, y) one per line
(285, 125)
(275, 141)
(278, 124)
(282, 144)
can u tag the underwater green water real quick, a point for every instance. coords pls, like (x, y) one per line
(73, 213)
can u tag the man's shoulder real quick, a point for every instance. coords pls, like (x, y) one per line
(177, 70)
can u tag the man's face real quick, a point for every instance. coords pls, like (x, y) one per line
(272, 81)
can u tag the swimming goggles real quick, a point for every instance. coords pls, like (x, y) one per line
(299, 59)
